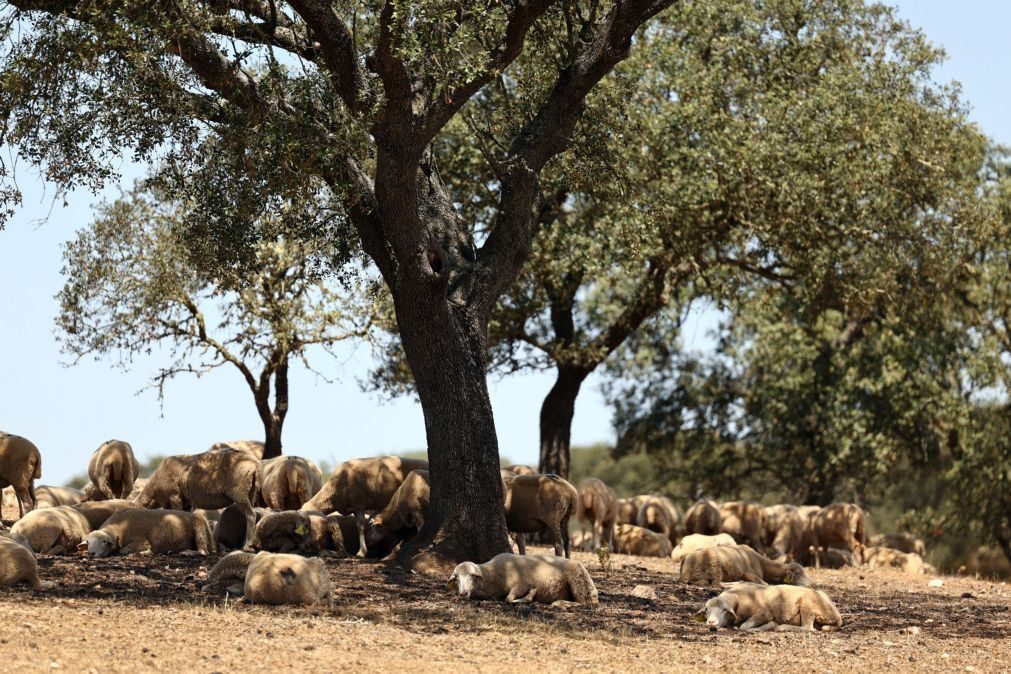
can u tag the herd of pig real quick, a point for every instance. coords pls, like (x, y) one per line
(277, 518)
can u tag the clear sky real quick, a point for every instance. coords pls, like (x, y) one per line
(68, 412)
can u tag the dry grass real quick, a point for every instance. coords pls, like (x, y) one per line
(130, 614)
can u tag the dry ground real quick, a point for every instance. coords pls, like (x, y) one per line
(147, 613)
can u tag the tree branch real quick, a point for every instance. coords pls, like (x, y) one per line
(207, 62)
(217, 73)
(546, 135)
(651, 295)
(338, 49)
(550, 130)
(281, 390)
(220, 348)
(266, 11)
(562, 298)
(393, 73)
(261, 393)
(767, 272)
(267, 34)
(363, 211)
(448, 101)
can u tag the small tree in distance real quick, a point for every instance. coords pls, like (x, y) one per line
(131, 284)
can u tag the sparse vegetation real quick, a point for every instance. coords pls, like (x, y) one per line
(604, 559)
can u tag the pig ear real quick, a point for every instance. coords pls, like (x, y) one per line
(700, 617)
(82, 546)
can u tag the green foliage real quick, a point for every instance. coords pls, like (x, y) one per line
(149, 465)
(604, 559)
(813, 408)
(414, 454)
(802, 142)
(77, 481)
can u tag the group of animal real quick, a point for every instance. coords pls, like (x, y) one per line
(651, 525)
(221, 499)
(208, 502)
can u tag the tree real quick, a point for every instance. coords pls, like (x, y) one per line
(776, 141)
(899, 405)
(811, 407)
(131, 285)
(981, 479)
(980, 474)
(309, 97)
(814, 392)
(627, 476)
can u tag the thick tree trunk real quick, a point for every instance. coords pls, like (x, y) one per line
(556, 420)
(446, 349)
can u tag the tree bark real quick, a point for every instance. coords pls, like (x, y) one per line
(557, 411)
(446, 349)
(272, 443)
(273, 419)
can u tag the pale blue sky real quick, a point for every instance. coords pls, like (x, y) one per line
(68, 412)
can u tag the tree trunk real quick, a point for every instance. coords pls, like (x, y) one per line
(272, 443)
(273, 419)
(557, 411)
(446, 348)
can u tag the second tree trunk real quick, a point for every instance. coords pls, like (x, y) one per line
(557, 411)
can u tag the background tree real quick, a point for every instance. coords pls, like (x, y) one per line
(306, 97)
(980, 481)
(980, 475)
(628, 475)
(902, 408)
(788, 142)
(803, 408)
(131, 286)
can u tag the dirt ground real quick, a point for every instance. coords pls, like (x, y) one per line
(127, 614)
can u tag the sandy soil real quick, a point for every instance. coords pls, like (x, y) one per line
(147, 613)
